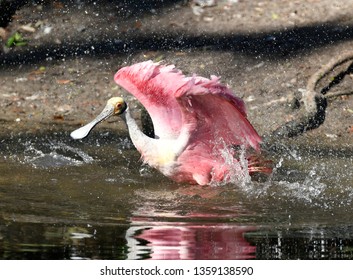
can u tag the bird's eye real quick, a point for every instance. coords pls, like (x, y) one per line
(119, 108)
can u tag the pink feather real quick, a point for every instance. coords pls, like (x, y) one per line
(209, 109)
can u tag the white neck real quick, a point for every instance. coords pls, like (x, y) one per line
(138, 138)
(156, 152)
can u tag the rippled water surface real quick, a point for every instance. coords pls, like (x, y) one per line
(93, 199)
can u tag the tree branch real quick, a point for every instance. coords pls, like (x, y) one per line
(313, 112)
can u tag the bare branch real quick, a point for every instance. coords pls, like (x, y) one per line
(313, 112)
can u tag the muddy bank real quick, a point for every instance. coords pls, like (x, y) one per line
(63, 74)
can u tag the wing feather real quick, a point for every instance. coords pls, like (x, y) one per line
(174, 100)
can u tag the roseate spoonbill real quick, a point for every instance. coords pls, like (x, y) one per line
(195, 121)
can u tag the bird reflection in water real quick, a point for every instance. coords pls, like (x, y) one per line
(187, 242)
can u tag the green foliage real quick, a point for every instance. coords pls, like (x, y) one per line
(16, 40)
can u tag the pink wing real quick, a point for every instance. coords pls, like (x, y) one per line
(154, 86)
(174, 100)
(220, 116)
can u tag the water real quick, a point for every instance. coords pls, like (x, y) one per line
(93, 199)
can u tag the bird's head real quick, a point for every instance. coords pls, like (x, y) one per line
(114, 106)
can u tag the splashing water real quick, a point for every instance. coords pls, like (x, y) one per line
(239, 174)
(53, 154)
(296, 178)
(315, 182)
(309, 191)
(313, 179)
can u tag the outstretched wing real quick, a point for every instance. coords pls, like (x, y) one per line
(154, 86)
(220, 115)
(173, 100)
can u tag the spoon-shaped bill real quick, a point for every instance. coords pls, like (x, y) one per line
(83, 131)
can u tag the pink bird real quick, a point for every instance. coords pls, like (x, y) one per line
(200, 126)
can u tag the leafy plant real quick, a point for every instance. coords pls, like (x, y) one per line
(16, 40)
